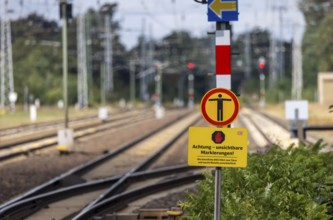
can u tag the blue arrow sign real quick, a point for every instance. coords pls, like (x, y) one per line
(222, 10)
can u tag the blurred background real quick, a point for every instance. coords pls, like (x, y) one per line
(117, 48)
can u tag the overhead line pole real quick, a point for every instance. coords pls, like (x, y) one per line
(6, 64)
(281, 47)
(89, 59)
(297, 74)
(248, 55)
(82, 79)
(108, 54)
(63, 5)
(132, 81)
(2, 60)
(143, 63)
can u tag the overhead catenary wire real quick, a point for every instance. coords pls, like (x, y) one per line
(154, 18)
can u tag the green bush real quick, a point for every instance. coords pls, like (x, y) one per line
(280, 184)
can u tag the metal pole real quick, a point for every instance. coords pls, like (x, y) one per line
(248, 55)
(102, 84)
(143, 89)
(132, 81)
(158, 88)
(262, 101)
(190, 90)
(63, 5)
(218, 170)
(108, 55)
(2, 56)
(82, 88)
(299, 126)
(89, 59)
(180, 86)
(218, 185)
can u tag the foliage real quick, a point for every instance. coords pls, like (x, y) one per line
(280, 184)
(37, 71)
(37, 57)
(317, 40)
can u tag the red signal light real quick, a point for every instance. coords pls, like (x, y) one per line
(190, 66)
(261, 65)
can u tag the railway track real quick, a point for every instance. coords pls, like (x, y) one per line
(266, 131)
(110, 183)
(26, 132)
(118, 166)
(24, 143)
(33, 127)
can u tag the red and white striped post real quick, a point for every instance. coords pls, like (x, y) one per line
(223, 59)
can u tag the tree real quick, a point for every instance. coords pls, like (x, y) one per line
(37, 57)
(317, 41)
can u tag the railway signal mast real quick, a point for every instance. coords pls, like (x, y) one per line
(7, 93)
(66, 135)
(190, 103)
(261, 63)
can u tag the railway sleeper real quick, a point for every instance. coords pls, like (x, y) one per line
(158, 214)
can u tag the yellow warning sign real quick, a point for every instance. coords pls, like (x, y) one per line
(219, 107)
(217, 147)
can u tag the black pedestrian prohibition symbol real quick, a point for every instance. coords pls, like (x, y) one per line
(220, 101)
(218, 97)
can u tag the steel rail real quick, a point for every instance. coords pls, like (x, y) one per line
(25, 208)
(260, 131)
(86, 129)
(74, 174)
(283, 125)
(115, 188)
(313, 128)
(120, 200)
(278, 121)
(39, 125)
(38, 135)
(5, 131)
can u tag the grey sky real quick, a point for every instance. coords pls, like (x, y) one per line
(160, 17)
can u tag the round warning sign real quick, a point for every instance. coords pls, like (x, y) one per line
(219, 107)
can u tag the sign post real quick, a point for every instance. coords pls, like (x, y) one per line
(222, 12)
(219, 147)
(223, 79)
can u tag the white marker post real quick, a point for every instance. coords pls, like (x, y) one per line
(297, 111)
(12, 99)
(33, 113)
